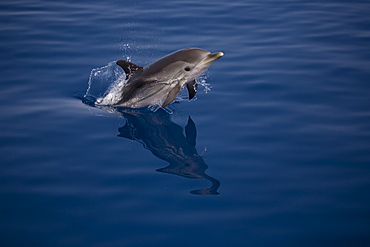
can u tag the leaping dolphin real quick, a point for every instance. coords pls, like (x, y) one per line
(160, 82)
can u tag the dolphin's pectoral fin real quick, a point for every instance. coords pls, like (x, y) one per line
(192, 88)
(172, 95)
(128, 67)
(191, 132)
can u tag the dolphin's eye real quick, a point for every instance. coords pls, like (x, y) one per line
(187, 69)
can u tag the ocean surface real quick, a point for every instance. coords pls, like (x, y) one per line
(274, 150)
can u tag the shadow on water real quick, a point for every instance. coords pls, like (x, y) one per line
(166, 140)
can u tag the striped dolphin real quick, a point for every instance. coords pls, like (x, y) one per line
(160, 82)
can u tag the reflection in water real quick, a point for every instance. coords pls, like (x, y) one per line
(166, 140)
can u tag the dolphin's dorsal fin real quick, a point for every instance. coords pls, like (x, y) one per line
(192, 88)
(172, 95)
(128, 67)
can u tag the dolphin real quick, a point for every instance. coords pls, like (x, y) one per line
(160, 82)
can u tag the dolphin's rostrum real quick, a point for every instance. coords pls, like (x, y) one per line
(160, 82)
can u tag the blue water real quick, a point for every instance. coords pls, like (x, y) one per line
(281, 141)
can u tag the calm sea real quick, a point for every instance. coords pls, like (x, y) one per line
(275, 150)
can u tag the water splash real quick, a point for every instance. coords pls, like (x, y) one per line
(202, 81)
(126, 48)
(105, 83)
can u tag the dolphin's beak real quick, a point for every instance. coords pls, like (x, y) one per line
(208, 60)
(214, 56)
(217, 54)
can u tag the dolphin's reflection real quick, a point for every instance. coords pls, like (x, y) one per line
(166, 140)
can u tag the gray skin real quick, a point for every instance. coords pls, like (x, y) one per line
(159, 83)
